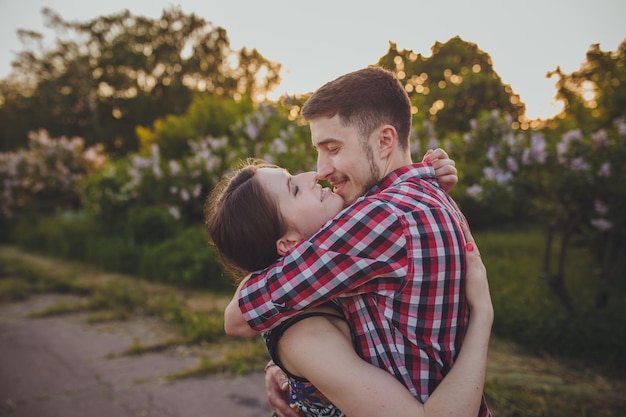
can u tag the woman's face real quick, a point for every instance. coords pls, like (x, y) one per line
(304, 204)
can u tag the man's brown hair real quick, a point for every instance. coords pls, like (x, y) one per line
(366, 99)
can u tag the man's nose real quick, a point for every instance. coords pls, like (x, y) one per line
(324, 168)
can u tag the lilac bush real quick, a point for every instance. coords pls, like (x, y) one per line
(572, 183)
(46, 177)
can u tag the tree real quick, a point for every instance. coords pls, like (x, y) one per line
(595, 110)
(595, 95)
(113, 73)
(453, 86)
(570, 175)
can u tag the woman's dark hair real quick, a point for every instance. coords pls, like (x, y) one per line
(242, 220)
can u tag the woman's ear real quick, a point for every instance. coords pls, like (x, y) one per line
(286, 242)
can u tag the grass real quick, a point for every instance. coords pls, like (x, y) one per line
(520, 381)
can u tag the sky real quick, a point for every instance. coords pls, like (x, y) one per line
(317, 41)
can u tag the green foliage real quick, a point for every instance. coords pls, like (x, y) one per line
(150, 225)
(551, 397)
(530, 314)
(595, 95)
(195, 327)
(18, 280)
(107, 194)
(78, 238)
(452, 86)
(108, 75)
(156, 248)
(186, 260)
(249, 355)
(208, 115)
(65, 236)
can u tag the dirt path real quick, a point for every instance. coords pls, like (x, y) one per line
(63, 366)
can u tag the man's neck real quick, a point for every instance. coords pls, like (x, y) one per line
(397, 160)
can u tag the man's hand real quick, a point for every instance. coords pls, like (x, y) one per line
(445, 169)
(277, 389)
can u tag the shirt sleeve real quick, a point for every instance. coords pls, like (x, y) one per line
(364, 251)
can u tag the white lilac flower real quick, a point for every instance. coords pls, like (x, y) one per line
(600, 139)
(600, 207)
(174, 212)
(511, 163)
(184, 194)
(475, 191)
(574, 135)
(605, 170)
(433, 143)
(621, 126)
(174, 167)
(509, 139)
(278, 146)
(492, 154)
(602, 225)
(538, 146)
(579, 164)
(251, 129)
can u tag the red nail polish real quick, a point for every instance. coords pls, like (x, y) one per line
(470, 246)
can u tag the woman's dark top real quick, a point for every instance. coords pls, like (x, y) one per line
(302, 394)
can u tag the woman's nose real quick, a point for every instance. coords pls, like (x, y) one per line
(309, 178)
(312, 177)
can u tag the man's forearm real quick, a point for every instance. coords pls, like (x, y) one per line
(234, 322)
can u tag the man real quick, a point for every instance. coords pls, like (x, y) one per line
(394, 257)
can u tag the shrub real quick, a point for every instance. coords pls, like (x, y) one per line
(186, 260)
(528, 312)
(150, 225)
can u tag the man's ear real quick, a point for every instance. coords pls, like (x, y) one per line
(387, 141)
(286, 242)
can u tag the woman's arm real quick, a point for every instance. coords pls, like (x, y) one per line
(320, 349)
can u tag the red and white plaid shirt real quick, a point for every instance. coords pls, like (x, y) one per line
(395, 260)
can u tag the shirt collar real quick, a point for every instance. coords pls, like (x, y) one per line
(418, 170)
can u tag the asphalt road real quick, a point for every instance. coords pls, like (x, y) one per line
(63, 366)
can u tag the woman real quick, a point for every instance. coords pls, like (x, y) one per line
(260, 213)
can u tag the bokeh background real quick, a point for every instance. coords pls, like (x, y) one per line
(115, 125)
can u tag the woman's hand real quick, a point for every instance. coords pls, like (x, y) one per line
(445, 168)
(477, 284)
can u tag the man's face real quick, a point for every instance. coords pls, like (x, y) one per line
(342, 160)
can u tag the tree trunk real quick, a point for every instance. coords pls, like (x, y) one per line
(547, 253)
(612, 266)
(557, 283)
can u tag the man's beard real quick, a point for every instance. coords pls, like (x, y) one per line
(375, 176)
